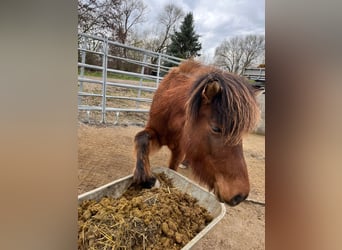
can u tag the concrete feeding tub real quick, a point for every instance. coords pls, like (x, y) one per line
(205, 199)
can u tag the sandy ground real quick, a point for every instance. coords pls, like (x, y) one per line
(106, 154)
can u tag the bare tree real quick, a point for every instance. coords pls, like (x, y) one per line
(87, 18)
(92, 15)
(158, 38)
(91, 21)
(121, 18)
(239, 52)
(114, 18)
(111, 18)
(170, 16)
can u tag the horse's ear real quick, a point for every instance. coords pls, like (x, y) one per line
(210, 90)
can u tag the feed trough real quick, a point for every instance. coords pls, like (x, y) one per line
(205, 199)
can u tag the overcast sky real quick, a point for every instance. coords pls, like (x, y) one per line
(217, 20)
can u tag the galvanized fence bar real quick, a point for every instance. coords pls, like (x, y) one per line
(90, 51)
(104, 78)
(141, 80)
(89, 94)
(136, 62)
(137, 75)
(89, 80)
(97, 108)
(141, 99)
(158, 71)
(83, 57)
(121, 85)
(89, 66)
(131, 86)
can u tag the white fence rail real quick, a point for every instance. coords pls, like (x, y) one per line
(256, 74)
(112, 74)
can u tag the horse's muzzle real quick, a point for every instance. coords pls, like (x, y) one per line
(236, 200)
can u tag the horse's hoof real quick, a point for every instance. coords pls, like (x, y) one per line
(157, 184)
(182, 166)
(150, 183)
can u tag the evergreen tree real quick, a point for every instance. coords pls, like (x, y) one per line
(184, 44)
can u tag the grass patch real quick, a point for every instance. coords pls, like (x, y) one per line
(114, 75)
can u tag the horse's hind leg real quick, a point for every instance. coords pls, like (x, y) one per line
(145, 142)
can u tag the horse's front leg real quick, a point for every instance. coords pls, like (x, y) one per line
(145, 142)
(177, 155)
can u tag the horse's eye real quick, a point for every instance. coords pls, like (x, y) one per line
(216, 130)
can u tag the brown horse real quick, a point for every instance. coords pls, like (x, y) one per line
(201, 114)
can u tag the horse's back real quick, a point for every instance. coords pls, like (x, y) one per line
(181, 76)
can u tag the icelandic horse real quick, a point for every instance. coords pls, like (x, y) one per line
(201, 114)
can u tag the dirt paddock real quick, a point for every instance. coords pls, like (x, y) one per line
(106, 154)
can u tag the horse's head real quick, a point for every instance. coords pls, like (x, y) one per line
(221, 108)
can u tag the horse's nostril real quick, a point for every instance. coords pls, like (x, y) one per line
(237, 199)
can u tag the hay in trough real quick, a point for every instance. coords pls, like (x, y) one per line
(163, 218)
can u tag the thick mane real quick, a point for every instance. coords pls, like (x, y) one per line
(234, 108)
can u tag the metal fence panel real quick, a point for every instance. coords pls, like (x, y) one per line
(108, 66)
